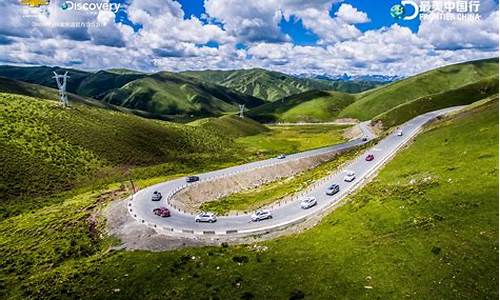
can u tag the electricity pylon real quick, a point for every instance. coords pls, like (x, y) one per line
(61, 84)
(242, 108)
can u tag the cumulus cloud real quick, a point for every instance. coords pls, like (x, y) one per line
(168, 40)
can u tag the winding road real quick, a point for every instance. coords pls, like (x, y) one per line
(182, 223)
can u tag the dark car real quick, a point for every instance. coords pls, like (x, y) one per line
(192, 178)
(369, 157)
(332, 189)
(364, 139)
(162, 212)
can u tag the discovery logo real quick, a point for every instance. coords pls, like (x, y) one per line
(90, 6)
(400, 11)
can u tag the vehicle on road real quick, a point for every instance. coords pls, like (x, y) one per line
(281, 156)
(156, 196)
(332, 189)
(364, 139)
(162, 212)
(192, 178)
(308, 202)
(350, 176)
(261, 215)
(369, 157)
(206, 217)
(399, 132)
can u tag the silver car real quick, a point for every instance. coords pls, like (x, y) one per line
(350, 176)
(261, 215)
(156, 196)
(206, 217)
(308, 202)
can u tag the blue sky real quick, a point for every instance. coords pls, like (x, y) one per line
(292, 36)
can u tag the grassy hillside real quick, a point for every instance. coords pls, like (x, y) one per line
(45, 148)
(272, 86)
(311, 106)
(382, 99)
(231, 126)
(155, 95)
(460, 96)
(425, 228)
(170, 94)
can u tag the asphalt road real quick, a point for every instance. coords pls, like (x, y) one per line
(141, 206)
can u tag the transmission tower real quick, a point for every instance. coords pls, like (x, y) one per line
(61, 84)
(242, 109)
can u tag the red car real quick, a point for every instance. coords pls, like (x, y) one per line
(369, 157)
(162, 212)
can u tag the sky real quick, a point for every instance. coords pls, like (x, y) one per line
(357, 37)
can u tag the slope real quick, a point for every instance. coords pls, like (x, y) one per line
(231, 126)
(156, 94)
(271, 86)
(424, 228)
(377, 101)
(310, 106)
(44, 148)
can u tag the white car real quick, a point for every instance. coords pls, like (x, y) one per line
(281, 156)
(156, 196)
(399, 132)
(206, 217)
(261, 215)
(350, 176)
(308, 202)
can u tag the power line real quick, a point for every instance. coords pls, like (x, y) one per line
(61, 84)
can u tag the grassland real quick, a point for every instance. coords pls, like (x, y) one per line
(231, 126)
(47, 149)
(311, 106)
(291, 139)
(426, 228)
(461, 96)
(377, 101)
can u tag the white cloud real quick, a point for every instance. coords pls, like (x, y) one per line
(350, 15)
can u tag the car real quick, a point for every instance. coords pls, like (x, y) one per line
(332, 189)
(162, 212)
(206, 217)
(156, 196)
(369, 157)
(192, 178)
(364, 139)
(261, 215)
(350, 176)
(399, 132)
(281, 156)
(308, 202)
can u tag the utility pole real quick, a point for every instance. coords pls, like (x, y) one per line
(242, 108)
(61, 84)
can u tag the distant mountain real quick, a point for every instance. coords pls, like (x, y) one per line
(354, 78)
(158, 95)
(271, 86)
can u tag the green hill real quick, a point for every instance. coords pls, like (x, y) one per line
(156, 95)
(310, 106)
(45, 148)
(372, 103)
(271, 86)
(231, 126)
(461, 96)
(172, 94)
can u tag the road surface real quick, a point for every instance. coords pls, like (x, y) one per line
(182, 223)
